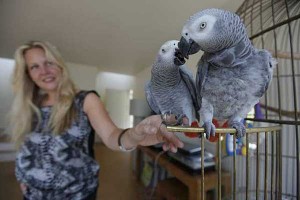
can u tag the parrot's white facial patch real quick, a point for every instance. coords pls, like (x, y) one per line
(167, 50)
(200, 29)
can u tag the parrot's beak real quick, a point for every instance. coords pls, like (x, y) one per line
(179, 59)
(188, 47)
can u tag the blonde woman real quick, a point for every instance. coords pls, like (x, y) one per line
(51, 123)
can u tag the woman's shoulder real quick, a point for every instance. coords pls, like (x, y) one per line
(83, 96)
(84, 93)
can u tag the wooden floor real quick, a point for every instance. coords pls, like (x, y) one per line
(116, 178)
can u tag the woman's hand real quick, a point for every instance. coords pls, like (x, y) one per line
(151, 131)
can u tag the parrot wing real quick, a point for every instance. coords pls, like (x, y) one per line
(187, 77)
(230, 57)
(268, 64)
(150, 98)
(200, 78)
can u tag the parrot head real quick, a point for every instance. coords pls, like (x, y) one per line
(167, 53)
(211, 30)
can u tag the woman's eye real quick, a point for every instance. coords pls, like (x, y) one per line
(202, 25)
(49, 63)
(33, 67)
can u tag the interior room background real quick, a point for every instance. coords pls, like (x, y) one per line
(116, 86)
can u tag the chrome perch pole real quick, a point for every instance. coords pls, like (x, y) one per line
(220, 130)
(219, 168)
(257, 166)
(202, 168)
(247, 167)
(234, 168)
(266, 166)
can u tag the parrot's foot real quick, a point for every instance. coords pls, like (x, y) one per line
(240, 129)
(179, 119)
(209, 129)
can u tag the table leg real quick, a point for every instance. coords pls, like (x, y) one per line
(195, 192)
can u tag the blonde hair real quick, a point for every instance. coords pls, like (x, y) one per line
(28, 96)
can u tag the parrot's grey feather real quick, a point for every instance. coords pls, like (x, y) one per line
(268, 63)
(187, 77)
(171, 88)
(150, 99)
(230, 57)
(232, 74)
(200, 79)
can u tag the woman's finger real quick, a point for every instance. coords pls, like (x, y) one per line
(166, 146)
(173, 148)
(173, 139)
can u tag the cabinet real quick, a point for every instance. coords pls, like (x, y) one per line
(192, 181)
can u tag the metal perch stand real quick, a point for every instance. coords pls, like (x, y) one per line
(276, 160)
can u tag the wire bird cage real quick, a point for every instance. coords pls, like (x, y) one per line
(275, 25)
(271, 171)
(243, 167)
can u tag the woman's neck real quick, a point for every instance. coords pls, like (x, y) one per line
(49, 100)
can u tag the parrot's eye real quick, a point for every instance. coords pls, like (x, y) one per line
(203, 25)
(163, 50)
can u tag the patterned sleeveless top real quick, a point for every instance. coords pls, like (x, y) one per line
(58, 167)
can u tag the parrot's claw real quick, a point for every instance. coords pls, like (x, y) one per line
(209, 129)
(240, 129)
(164, 117)
(178, 118)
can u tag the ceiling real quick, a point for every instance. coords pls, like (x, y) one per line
(114, 36)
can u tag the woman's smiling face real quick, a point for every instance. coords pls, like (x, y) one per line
(43, 72)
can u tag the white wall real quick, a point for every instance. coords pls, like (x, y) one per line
(117, 87)
(83, 76)
(141, 78)
(107, 80)
(117, 106)
(6, 94)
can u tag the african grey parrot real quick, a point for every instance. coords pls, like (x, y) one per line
(171, 89)
(232, 74)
